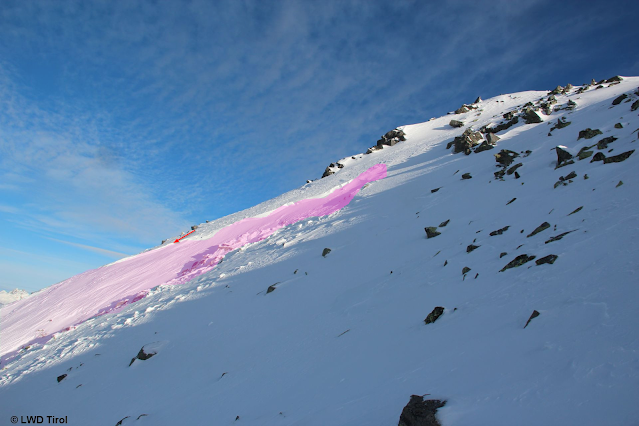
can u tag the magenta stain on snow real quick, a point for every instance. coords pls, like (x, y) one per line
(111, 287)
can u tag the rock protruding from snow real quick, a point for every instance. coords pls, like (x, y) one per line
(420, 413)
(325, 252)
(589, 133)
(391, 137)
(467, 140)
(518, 261)
(534, 314)
(146, 352)
(431, 232)
(456, 123)
(563, 156)
(436, 313)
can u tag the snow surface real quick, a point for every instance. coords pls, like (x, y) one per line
(341, 339)
(7, 297)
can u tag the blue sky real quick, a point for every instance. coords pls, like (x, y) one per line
(125, 122)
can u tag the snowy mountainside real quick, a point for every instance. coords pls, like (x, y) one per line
(280, 334)
(7, 297)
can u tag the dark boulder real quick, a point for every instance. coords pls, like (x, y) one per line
(518, 261)
(499, 231)
(558, 90)
(505, 157)
(143, 355)
(615, 79)
(538, 229)
(327, 172)
(534, 314)
(271, 288)
(420, 413)
(444, 223)
(456, 123)
(619, 125)
(598, 157)
(194, 227)
(634, 105)
(502, 126)
(619, 99)
(550, 259)
(436, 313)
(618, 158)
(471, 247)
(465, 270)
(466, 141)
(466, 176)
(561, 123)
(531, 117)
(462, 109)
(325, 252)
(431, 232)
(603, 144)
(62, 377)
(478, 100)
(558, 237)
(584, 153)
(484, 146)
(513, 168)
(562, 155)
(589, 133)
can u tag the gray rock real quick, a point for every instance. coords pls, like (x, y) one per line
(431, 232)
(466, 176)
(538, 229)
(143, 355)
(514, 168)
(432, 191)
(502, 254)
(499, 231)
(550, 259)
(558, 237)
(444, 223)
(471, 247)
(194, 227)
(466, 141)
(505, 157)
(420, 413)
(578, 209)
(619, 99)
(325, 252)
(531, 117)
(465, 270)
(615, 79)
(484, 146)
(603, 144)
(534, 314)
(462, 109)
(584, 153)
(436, 313)
(478, 100)
(271, 288)
(62, 377)
(634, 105)
(456, 123)
(492, 138)
(618, 158)
(518, 261)
(619, 125)
(589, 133)
(327, 172)
(598, 157)
(562, 154)
(511, 201)
(557, 90)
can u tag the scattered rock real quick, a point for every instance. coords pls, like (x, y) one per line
(484, 146)
(513, 168)
(471, 247)
(518, 261)
(143, 355)
(420, 413)
(534, 314)
(634, 105)
(464, 108)
(325, 252)
(589, 133)
(466, 270)
(502, 254)
(478, 100)
(431, 232)
(271, 288)
(584, 153)
(558, 237)
(499, 231)
(598, 157)
(436, 313)
(121, 420)
(619, 184)
(557, 90)
(576, 210)
(502, 126)
(511, 201)
(444, 223)
(392, 137)
(531, 117)
(562, 154)
(506, 157)
(619, 99)
(466, 176)
(618, 158)
(615, 79)
(466, 141)
(432, 191)
(619, 125)
(328, 172)
(603, 144)
(492, 138)
(539, 229)
(62, 377)
(550, 259)
(561, 123)
(456, 123)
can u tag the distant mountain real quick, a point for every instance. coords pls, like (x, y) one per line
(479, 268)
(12, 296)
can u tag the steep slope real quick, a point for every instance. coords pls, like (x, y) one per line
(280, 334)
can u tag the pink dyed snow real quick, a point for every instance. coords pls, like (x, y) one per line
(109, 288)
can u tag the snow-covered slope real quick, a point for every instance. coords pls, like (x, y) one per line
(280, 334)
(7, 297)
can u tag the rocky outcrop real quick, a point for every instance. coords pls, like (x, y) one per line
(589, 133)
(391, 137)
(505, 157)
(603, 144)
(420, 413)
(467, 141)
(518, 261)
(531, 117)
(618, 158)
(431, 232)
(436, 313)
